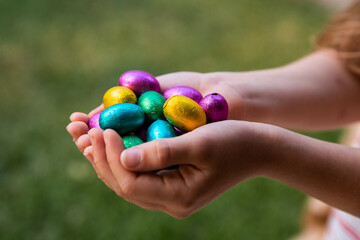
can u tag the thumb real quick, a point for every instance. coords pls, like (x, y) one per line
(96, 110)
(158, 154)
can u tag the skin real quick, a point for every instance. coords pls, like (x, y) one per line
(313, 93)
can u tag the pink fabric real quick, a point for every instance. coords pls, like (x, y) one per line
(342, 226)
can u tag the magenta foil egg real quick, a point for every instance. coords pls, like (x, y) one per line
(215, 107)
(183, 91)
(139, 82)
(94, 121)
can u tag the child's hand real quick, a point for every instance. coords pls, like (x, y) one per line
(205, 83)
(211, 159)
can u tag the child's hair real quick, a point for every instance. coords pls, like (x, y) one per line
(343, 35)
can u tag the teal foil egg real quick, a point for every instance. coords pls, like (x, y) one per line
(131, 141)
(122, 117)
(160, 129)
(152, 104)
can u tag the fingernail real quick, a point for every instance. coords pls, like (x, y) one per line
(90, 134)
(89, 157)
(131, 158)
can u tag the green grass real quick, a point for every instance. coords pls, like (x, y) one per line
(57, 57)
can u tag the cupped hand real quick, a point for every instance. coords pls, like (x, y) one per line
(205, 83)
(210, 160)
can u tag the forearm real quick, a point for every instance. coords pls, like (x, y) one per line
(327, 171)
(313, 93)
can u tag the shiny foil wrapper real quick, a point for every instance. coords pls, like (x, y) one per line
(131, 141)
(122, 117)
(139, 81)
(160, 129)
(215, 107)
(141, 132)
(94, 121)
(152, 104)
(117, 95)
(183, 91)
(184, 113)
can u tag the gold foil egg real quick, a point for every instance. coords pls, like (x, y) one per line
(184, 113)
(117, 95)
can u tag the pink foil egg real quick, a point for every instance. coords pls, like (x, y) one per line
(139, 82)
(215, 107)
(183, 91)
(94, 121)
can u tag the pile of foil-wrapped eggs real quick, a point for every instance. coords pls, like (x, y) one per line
(139, 113)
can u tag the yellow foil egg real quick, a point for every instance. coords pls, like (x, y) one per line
(117, 95)
(184, 113)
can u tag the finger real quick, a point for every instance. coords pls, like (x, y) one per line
(96, 110)
(79, 117)
(114, 146)
(158, 154)
(99, 154)
(89, 155)
(144, 187)
(83, 142)
(190, 79)
(76, 129)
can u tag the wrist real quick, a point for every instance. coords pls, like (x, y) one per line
(232, 86)
(249, 94)
(251, 148)
(267, 141)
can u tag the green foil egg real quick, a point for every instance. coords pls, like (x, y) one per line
(160, 129)
(122, 117)
(152, 104)
(131, 141)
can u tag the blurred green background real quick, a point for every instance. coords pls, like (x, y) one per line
(57, 57)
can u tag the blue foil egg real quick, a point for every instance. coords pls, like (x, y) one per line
(160, 129)
(122, 117)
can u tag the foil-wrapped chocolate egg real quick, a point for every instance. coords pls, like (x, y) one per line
(131, 141)
(152, 104)
(184, 113)
(160, 129)
(117, 95)
(184, 91)
(94, 121)
(122, 117)
(141, 132)
(139, 82)
(215, 107)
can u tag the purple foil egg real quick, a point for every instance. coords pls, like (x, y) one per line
(94, 121)
(139, 82)
(215, 107)
(184, 91)
(141, 133)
